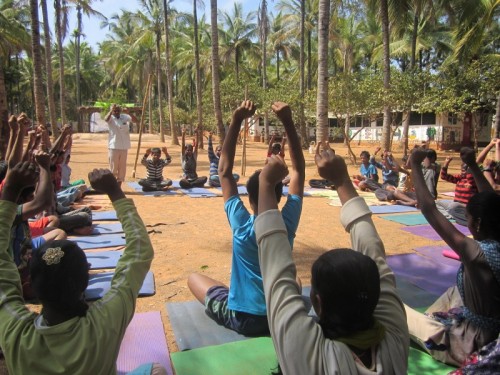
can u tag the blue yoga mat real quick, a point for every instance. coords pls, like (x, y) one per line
(100, 283)
(406, 219)
(412, 295)
(107, 228)
(391, 209)
(138, 188)
(423, 272)
(104, 215)
(197, 192)
(103, 259)
(96, 242)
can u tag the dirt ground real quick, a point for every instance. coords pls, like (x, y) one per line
(193, 235)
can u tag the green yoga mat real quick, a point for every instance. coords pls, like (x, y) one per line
(252, 357)
(406, 219)
(420, 363)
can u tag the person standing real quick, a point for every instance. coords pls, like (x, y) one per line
(119, 140)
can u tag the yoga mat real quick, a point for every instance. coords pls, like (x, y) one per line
(107, 228)
(435, 253)
(197, 192)
(391, 208)
(104, 215)
(247, 357)
(412, 295)
(423, 272)
(103, 259)
(144, 342)
(407, 219)
(138, 188)
(96, 242)
(285, 192)
(428, 232)
(448, 194)
(100, 283)
(194, 329)
(419, 363)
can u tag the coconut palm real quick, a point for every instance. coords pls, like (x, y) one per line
(215, 69)
(322, 95)
(37, 63)
(281, 44)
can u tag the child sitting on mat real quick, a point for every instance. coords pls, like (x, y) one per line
(241, 306)
(213, 158)
(154, 180)
(467, 316)
(189, 158)
(361, 326)
(68, 336)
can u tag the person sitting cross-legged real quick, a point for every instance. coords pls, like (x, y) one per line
(241, 306)
(361, 324)
(154, 180)
(213, 158)
(189, 157)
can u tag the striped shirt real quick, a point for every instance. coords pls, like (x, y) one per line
(465, 185)
(214, 160)
(154, 171)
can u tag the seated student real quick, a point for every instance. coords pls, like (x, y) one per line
(390, 174)
(368, 177)
(154, 180)
(467, 316)
(241, 306)
(465, 189)
(213, 158)
(69, 336)
(361, 326)
(189, 157)
(430, 169)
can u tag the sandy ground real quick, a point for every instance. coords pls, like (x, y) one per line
(194, 234)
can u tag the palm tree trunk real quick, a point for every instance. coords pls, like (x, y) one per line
(158, 82)
(322, 96)
(168, 72)
(215, 69)
(277, 65)
(48, 69)
(4, 114)
(199, 97)
(37, 63)
(302, 83)
(386, 127)
(497, 118)
(59, 32)
(309, 60)
(77, 57)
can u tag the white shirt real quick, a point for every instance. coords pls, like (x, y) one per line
(119, 137)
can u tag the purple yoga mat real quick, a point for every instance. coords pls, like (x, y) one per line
(424, 272)
(144, 342)
(427, 231)
(436, 253)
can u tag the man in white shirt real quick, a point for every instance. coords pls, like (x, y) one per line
(119, 140)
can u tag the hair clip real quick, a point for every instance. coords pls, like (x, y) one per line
(53, 255)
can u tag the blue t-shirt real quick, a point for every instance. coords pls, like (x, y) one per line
(389, 176)
(246, 291)
(369, 171)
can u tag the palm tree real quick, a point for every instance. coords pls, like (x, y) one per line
(170, 94)
(60, 32)
(263, 22)
(322, 132)
(48, 70)
(237, 35)
(280, 42)
(37, 63)
(215, 69)
(386, 127)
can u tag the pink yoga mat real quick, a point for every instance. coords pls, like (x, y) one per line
(144, 342)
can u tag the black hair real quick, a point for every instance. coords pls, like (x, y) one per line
(365, 153)
(431, 154)
(156, 150)
(61, 285)
(253, 188)
(348, 284)
(485, 206)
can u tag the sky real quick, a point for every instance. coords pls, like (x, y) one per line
(94, 34)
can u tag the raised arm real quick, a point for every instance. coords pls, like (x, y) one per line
(144, 160)
(14, 129)
(132, 116)
(168, 158)
(451, 235)
(108, 116)
(468, 157)
(270, 145)
(444, 172)
(226, 162)
(16, 153)
(283, 144)
(210, 149)
(298, 170)
(480, 158)
(183, 143)
(196, 144)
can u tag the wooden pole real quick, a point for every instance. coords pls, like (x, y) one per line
(144, 102)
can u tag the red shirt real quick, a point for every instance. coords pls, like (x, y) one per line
(465, 185)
